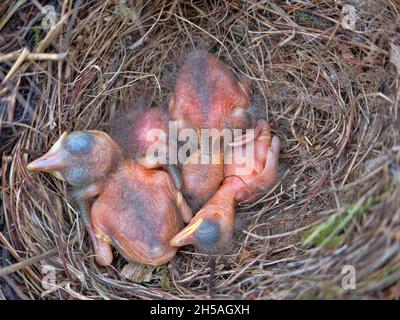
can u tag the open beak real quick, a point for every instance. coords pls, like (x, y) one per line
(186, 236)
(53, 161)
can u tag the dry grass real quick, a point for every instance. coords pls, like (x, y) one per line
(330, 94)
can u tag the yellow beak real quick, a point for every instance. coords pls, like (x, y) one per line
(185, 237)
(53, 161)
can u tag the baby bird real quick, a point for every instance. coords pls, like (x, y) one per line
(135, 209)
(142, 134)
(207, 96)
(212, 227)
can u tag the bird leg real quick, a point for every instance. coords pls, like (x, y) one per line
(82, 196)
(250, 177)
(183, 207)
(175, 174)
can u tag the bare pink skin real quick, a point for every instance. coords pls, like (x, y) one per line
(135, 209)
(262, 172)
(207, 96)
(151, 119)
(134, 131)
(259, 177)
(138, 212)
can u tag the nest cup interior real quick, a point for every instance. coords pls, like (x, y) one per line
(328, 90)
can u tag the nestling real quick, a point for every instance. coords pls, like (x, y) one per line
(135, 209)
(212, 227)
(139, 130)
(207, 95)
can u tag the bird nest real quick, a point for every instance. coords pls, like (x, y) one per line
(326, 77)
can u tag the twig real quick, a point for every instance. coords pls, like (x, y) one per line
(10, 13)
(16, 65)
(23, 264)
(34, 56)
(16, 288)
(350, 122)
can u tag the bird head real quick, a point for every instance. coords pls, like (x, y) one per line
(210, 230)
(81, 157)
